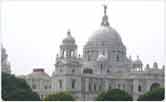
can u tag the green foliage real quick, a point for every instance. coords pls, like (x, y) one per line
(15, 89)
(101, 96)
(114, 95)
(61, 96)
(154, 95)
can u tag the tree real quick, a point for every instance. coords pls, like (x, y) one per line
(15, 89)
(114, 95)
(61, 96)
(156, 94)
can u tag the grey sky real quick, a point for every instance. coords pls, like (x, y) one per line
(33, 31)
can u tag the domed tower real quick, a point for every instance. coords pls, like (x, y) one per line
(137, 64)
(67, 67)
(68, 47)
(107, 41)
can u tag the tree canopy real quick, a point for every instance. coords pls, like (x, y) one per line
(156, 94)
(15, 89)
(61, 96)
(114, 95)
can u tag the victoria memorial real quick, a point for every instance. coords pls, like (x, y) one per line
(103, 66)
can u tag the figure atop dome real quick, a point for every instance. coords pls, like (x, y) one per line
(105, 17)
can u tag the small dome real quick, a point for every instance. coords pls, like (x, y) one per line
(138, 61)
(155, 65)
(147, 66)
(38, 73)
(69, 38)
(101, 58)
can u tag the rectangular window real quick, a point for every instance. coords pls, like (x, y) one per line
(60, 83)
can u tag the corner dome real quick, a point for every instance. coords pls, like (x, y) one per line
(69, 38)
(138, 61)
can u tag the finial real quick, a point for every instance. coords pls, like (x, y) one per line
(68, 32)
(105, 18)
(105, 9)
(137, 57)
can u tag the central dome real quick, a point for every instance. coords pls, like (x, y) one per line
(105, 41)
(105, 34)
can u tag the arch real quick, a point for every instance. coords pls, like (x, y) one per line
(108, 70)
(117, 58)
(154, 85)
(90, 88)
(95, 86)
(73, 83)
(101, 67)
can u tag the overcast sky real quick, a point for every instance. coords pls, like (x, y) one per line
(33, 31)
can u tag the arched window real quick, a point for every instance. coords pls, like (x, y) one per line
(118, 86)
(108, 70)
(101, 67)
(88, 55)
(61, 69)
(139, 88)
(117, 58)
(103, 53)
(60, 83)
(94, 86)
(73, 83)
(73, 70)
(154, 85)
(90, 86)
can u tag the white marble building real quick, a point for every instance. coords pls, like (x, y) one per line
(104, 65)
